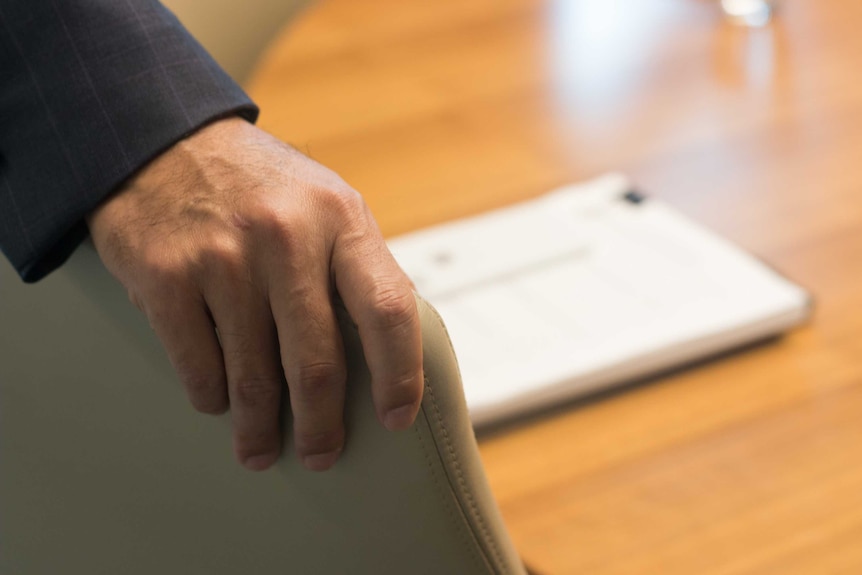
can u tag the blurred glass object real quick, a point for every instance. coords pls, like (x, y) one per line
(748, 12)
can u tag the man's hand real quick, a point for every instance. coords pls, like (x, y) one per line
(234, 244)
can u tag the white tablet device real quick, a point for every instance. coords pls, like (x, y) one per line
(586, 287)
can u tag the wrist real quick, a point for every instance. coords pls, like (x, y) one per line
(182, 161)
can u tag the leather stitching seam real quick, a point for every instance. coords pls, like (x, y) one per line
(471, 550)
(471, 502)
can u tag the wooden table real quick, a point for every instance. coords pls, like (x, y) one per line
(750, 464)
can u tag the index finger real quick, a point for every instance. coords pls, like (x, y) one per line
(379, 298)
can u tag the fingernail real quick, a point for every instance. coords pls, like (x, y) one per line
(400, 418)
(260, 462)
(321, 461)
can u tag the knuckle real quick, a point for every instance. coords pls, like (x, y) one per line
(345, 202)
(283, 227)
(357, 231)
(318, 380)
(254, 392)
(318, 442)
(221, 252)
(393, 306)
(161, 269)
(289, 235)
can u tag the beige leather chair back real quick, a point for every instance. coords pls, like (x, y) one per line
(235, 32)
(106, 469)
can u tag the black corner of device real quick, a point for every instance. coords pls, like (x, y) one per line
(634, 197)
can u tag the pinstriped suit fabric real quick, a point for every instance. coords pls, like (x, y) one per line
(91, 90)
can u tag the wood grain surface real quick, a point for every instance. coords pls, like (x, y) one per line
(751, 464)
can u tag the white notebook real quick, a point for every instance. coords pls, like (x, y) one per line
(586, 287)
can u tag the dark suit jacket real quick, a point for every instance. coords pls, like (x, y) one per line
(90, 91)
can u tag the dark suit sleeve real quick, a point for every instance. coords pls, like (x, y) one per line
(90, 91)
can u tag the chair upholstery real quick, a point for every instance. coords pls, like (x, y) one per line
(105, 468)
(235, 32)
